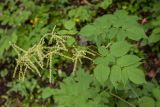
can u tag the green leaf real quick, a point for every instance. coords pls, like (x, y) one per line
(146, 102)
(122, 104)
(115, 75)
(84, 77)
(70, 41)
(110, 58)
(105, 4)
(124, 76)
(106, 60)
(119, 21)
(158, 104)
(102, 50)
(156, 93)
(155, 36)
(101, 60)
(101, 73)
(77, 90)
(47, 92)
(97, 31)
(69, 24)
(4, 42)
(67, 32)
(135, 75)
(120, 48)
(121, 35)
(3, 73)
(112, 33)
(135, 32)
(104, 22)
(128, 60)
(82, 12)
(88, 31)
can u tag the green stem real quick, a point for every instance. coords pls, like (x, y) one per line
(75, 66)
(131, 105)
(50, 68)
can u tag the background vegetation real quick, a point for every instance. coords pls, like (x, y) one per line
(79, 53)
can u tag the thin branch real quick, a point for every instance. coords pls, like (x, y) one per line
(131, 105)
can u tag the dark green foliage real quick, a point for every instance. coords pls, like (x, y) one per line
(80, 91)
(95, 56)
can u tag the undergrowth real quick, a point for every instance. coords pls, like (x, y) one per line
(101, 53)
